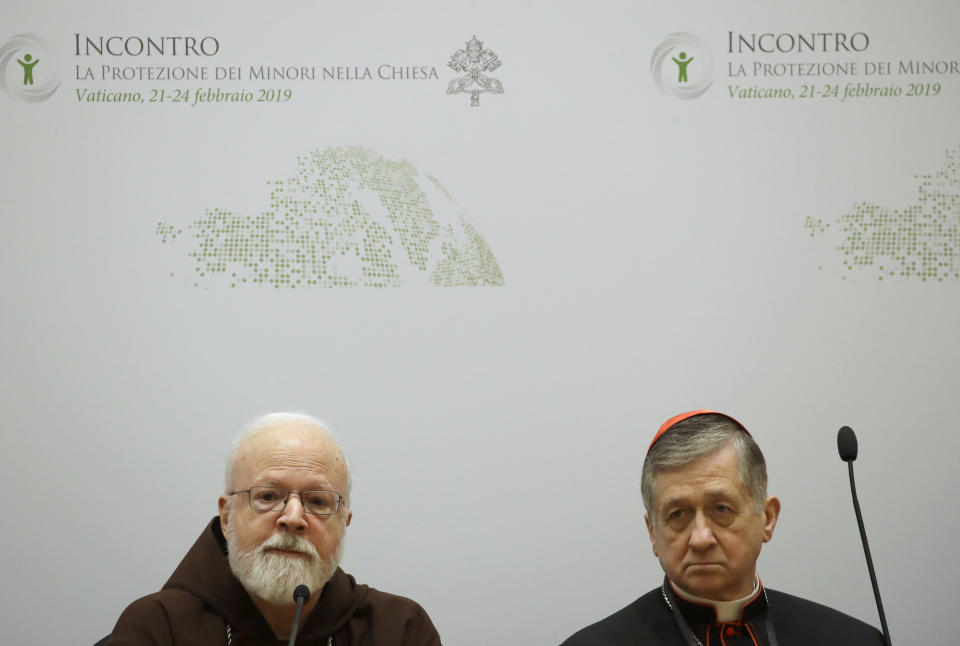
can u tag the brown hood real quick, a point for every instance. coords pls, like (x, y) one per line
(205, 573)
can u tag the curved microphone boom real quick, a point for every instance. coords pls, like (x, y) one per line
(847, 447)
(300, 594)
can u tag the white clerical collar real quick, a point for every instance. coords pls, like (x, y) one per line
(727, 611)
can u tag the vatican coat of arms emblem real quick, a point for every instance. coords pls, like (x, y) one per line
(474, 63)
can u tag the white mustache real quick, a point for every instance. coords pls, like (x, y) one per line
(288, 542)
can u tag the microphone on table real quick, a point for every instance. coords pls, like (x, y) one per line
(300, 594)
(847, 447)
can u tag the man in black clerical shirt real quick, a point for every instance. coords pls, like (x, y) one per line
(704, 487)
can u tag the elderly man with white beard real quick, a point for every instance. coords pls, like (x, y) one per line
(282, 520)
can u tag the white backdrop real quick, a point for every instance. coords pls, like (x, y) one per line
(656, 254)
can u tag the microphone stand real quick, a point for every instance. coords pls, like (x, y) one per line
(847, 443)
(300, 594)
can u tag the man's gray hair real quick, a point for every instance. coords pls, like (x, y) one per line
(273, 420)
(698, 437)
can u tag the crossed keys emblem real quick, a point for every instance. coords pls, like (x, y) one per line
(473, 62)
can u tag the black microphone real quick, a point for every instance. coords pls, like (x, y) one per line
(847, 447)
(847, 444)
(300, 594)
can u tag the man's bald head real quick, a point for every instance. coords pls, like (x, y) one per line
(292, 437)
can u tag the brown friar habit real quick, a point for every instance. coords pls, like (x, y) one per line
(203, 604)
(650, 621)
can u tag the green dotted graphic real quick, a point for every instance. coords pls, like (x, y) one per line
(921, 241)
(348, 218)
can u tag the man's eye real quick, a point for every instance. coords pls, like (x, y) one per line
(723, 515)
(319, 501)
(267, 496)
(675, 514)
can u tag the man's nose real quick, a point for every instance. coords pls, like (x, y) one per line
(701, 533)
(293, 518)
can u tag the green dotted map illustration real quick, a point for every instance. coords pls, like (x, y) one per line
(920, 241)
(348, 218)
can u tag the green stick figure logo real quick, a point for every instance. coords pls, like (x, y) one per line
(28, 69)
(681, 66)
(28, 63)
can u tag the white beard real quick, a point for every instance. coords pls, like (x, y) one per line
(272, 576)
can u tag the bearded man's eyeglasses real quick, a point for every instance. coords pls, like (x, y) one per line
(319, 501)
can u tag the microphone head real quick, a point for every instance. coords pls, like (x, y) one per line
(301, 592)
(847, 444)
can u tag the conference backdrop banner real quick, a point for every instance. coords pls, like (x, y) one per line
(494, 245)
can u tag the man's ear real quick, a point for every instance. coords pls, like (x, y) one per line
(223, 505)
(771, 512)
(653, 541)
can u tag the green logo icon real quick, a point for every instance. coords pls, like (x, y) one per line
(670, 66)
(28, 63)
(22, 75)
(682, 65)
(348, 217)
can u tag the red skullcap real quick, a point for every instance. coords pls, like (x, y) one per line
(676, 419)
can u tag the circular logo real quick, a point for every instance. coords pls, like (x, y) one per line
(28, 68)
(682, 66)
